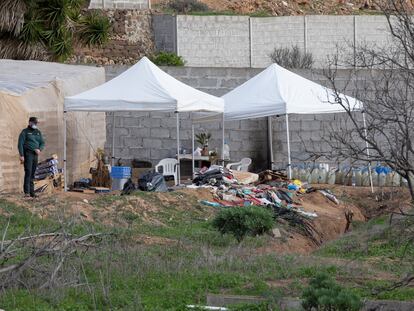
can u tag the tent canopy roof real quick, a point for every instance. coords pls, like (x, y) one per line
(277, 91)
(144, 87)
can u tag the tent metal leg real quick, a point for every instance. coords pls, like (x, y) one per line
(368, 153)
(222, 141)
(270, 140)
(178, 149)
(113, 140)
(288, 147)
(65, 174)
(192, 152)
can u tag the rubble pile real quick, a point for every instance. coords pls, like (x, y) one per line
(271, 189)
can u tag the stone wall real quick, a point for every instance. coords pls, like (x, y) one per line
(165, 32)
(151, 136)
(120, 4)
(242, 41)
(131, 37)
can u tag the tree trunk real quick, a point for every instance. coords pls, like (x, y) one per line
(410, 180)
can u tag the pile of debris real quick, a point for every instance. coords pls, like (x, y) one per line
(48, 176)
(270, 189)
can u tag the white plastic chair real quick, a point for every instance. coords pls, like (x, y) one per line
(169, 168)
(243, 165)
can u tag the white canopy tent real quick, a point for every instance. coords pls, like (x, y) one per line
(278, 91)
(143, 87)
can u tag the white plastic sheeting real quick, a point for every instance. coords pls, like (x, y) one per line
(144, 87)
(278, 91)
(19, 77)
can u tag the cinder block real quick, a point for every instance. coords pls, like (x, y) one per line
(140, 132)
(159, 154)
(121, 132)
(130, 121)
(232, 125)
(131, 142)
(151, 122)
(169, 143)
(152, 143)
(139, 153)
(310, 125)
(169, 123)
(160, 133)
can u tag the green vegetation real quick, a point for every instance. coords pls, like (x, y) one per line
(48, 29)
(243, 221)
(324, 294)
(167, 59)
(186, 6)
(180, 256)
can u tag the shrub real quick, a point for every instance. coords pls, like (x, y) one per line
(167, 59)
(187, 6)
(323, 293)
(292, 58)
(242, 221)
(96, 28)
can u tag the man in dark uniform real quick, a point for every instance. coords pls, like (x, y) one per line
(30, 145)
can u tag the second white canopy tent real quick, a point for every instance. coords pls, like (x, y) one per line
(277, 91)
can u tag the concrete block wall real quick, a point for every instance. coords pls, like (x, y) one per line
(152, 136)
(269, 33)
(241, 41)
(326, 34)
(120, 4)
(216, 41)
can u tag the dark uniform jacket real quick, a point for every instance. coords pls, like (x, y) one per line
(30, 139)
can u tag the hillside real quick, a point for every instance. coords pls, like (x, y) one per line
(288, 7)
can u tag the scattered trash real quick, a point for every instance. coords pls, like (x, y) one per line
(276, 233)
(152, 181)
(330, 196)
(213, 204)
(129, 187)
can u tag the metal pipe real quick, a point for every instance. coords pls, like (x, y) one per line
(178, 149)
(368, 153)
(192, 152)
(65, 175)
(113, 140)
(270, 140)
(288, 146)
(222, 141)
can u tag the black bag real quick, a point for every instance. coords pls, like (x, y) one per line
(215, 174)
(129, 187)
(152, 181)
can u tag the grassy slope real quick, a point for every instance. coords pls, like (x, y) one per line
(125, 273)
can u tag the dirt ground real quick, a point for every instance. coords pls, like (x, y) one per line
(151, 208)
(289, 7)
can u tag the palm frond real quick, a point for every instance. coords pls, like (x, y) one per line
(62, 46)
(32, 28)
(17, 49)
(95, 29)
(12, 16)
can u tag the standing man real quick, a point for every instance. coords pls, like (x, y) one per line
(30, 145)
